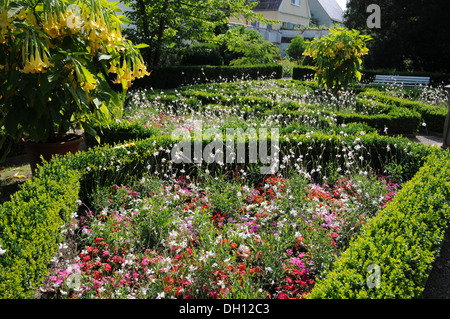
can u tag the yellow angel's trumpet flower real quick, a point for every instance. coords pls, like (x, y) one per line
(39, 64)
(5, 21)
(93, 23)
(73, 21)
(124, 75)
(88, 86)
(112, 68)
(31, 18)
(50, 27)
(46, 62)
(29, 65)
(35, 64)
(139, 69)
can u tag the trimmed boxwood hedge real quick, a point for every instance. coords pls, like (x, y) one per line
(303, 73)
(119, 132)
(433, 116)
(403, 241)
(368, 76)
(170, 77)
(30, 222)
(397, 120)
(436, 79)
(30, 228)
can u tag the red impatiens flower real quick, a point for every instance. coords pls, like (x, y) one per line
(97, 275)
(282, 295)
(214, 294)
(108, 267)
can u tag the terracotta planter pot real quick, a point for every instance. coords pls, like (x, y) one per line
(70, 144)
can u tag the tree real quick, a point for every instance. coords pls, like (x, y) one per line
(337, 57)
(249, 46)
(414, 31)
(296, 48)
(169, 25)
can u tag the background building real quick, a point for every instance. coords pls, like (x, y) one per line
(295, 17)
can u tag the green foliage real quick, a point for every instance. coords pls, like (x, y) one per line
(166, 26)
(30, 222)
(54, 66)
(433, 116)
(296, 48)
(120, 132)
(401, 26)
(337, 57)
(394, 119)
(403, 240)
(176, 76)
(303, 73)
(250, 45)
(202, 54)
(30, 228)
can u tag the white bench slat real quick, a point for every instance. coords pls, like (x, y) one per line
(404, 80)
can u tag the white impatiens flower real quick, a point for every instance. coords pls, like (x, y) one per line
(2, 251)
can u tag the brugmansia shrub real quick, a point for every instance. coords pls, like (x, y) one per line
(56, 60)
(337, 57)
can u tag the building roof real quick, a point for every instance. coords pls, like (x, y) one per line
(333, 9)
(270, 5)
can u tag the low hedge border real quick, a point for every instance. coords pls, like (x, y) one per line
(30, 228)
(433, 116)
(316, 149)
(368, 76)
(30, 222)
(119, 132)
(170, 77)
(403, 241)
(303, 73)
(397, 120)
(436, 79)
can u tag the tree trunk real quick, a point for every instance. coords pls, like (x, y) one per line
(145, 26)
(159, 39)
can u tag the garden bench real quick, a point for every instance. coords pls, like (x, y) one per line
(402, 80)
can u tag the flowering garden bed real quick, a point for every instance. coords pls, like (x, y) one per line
(145, 226)
(216, 238)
